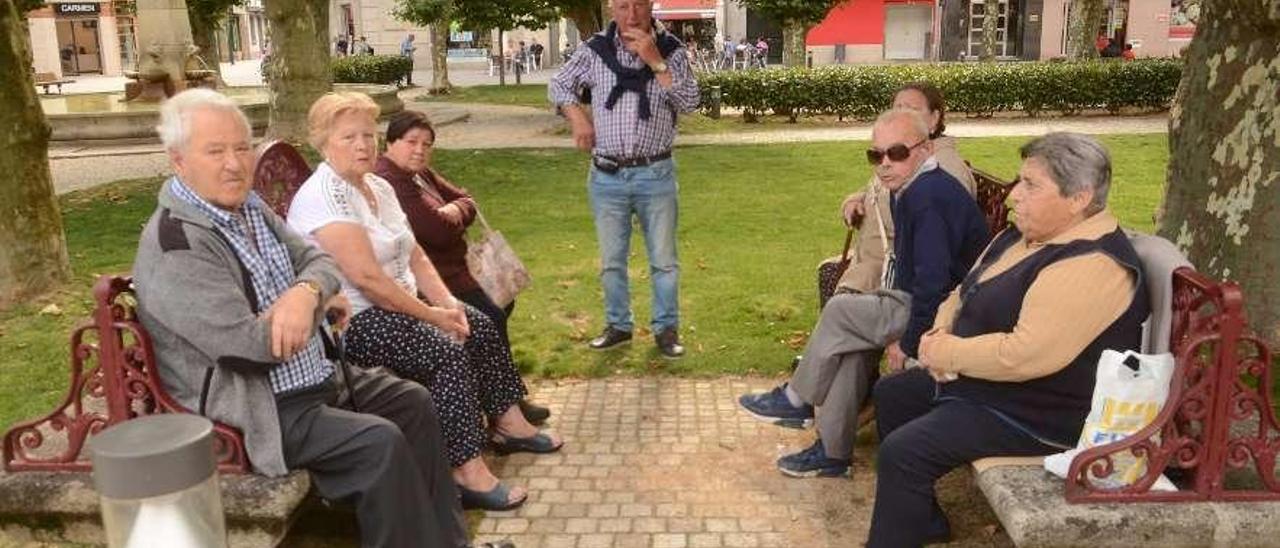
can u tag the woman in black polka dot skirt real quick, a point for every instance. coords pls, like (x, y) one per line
(448, 346)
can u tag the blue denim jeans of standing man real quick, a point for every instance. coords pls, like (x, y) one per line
(649, 193)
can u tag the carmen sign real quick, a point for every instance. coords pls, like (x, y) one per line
(76, 8)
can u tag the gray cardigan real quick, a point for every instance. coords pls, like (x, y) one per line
(196, 301)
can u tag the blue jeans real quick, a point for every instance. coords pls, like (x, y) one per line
(648, 192)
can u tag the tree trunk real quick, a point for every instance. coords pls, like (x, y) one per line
(1085, 17)
(588, 20)
(203, 33)
(33, 251)
(299, 72)
(440, 59)
(1222, 198)
(793, 43)
(502, 60)
(990, 24)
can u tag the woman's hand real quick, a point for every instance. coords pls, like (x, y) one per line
(453, 321)
(928, 357)
(451, 213)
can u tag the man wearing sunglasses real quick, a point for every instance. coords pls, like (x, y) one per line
(939, 231)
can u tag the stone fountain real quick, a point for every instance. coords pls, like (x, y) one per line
(169, 63)
(167, 66)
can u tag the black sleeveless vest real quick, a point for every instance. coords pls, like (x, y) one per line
(1052, 408)
(635, 80)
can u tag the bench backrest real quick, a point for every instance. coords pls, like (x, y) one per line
(991, 193)
(280, 172)
(1160, 258)
(125, 382)
(45, 77)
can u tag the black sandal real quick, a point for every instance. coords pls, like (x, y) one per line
(496, 499)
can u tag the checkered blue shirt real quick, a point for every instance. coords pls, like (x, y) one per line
(272, 274)
(620, 133)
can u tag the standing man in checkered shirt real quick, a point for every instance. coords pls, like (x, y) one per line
(640, 78)
(233, 299)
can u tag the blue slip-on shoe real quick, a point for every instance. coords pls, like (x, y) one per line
(814, 463)
(773, 407)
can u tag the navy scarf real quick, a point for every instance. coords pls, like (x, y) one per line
(635, 80)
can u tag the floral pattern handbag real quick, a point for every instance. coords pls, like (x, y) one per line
(495, 265)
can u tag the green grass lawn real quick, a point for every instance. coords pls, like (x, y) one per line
(535, 95)
(755, 220)
(525, 95)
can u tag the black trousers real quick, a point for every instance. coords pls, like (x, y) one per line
(479, 299)
(921, 439)
(388, 459)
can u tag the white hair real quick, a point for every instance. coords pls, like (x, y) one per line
(175, 115)
(916, 119)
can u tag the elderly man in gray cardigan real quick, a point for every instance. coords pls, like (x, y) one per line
(233, 300)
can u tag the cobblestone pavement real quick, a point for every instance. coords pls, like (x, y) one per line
(668, 462)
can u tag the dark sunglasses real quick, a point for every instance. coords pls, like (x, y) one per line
(896, 153)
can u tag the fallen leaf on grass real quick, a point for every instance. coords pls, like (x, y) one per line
(51, 310)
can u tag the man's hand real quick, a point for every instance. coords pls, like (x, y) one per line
(643, 44)
(853, 209)
(338, 311)
(584, 134)
(896, 357)
(291, 320)
(452, 214)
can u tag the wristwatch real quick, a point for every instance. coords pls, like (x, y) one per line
(311, 287)
(659, 67)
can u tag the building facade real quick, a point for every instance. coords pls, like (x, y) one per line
(86, 37)
(73, 38)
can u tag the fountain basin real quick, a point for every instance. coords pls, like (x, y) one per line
(105, 118)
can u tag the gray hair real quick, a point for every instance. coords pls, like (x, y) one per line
(1076, 163)
(916, 119)
(175, 115)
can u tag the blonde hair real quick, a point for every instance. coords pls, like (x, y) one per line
(329, 107)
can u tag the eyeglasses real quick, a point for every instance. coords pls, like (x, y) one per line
(896, 153)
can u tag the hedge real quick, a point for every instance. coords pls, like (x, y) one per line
(979, 89)
(371, 69)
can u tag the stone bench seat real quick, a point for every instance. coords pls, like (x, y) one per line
(1225, 498)
(62, 507)
(1030, 504)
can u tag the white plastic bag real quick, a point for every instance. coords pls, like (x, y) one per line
(1125, 400)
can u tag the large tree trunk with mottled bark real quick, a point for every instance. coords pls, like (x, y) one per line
(990, 24)
(1222, 199)
(33, 251)
(440, 59)
(299, 72)
(1085, 17)
(793, 43)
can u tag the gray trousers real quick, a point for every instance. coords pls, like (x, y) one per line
(388, 459)
(842, 359)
